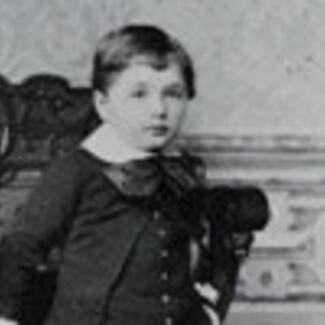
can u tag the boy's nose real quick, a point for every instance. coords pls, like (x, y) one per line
(159, 108)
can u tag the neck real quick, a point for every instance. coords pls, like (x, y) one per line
(107, 144)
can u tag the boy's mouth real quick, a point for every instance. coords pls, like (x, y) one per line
(158, 129)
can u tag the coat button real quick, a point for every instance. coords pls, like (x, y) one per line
(164, 276)
(168, 321)
(162, 233)
(156, 215)
(165, 299)
(164, 253)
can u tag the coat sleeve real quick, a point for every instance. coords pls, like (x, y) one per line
(225, 268)
(233, 214)
(39, 224)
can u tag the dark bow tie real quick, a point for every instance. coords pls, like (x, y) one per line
(141, 178)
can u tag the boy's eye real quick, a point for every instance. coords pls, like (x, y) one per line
(175, 93)
(139, 93)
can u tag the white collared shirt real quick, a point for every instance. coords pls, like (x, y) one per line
(107, 144)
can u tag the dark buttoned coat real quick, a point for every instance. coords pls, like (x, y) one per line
(81, 206)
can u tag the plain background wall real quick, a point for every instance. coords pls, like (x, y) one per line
(261, 63)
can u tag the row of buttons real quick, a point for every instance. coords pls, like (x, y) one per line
(164, 275)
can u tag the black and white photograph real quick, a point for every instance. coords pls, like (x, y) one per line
(162, 162)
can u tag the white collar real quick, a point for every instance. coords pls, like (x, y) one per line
(106, 143)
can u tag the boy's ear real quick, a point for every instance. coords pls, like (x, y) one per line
(101, 102)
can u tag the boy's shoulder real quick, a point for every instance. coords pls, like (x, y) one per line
(70, 165)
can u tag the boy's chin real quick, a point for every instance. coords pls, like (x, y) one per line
(154, 142)
(158, 148)
(154, 148)
(157, 145)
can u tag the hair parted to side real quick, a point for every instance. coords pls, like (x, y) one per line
(144, 44)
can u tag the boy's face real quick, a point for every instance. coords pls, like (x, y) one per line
(145, 105)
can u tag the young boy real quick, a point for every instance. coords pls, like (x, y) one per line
(114, 205)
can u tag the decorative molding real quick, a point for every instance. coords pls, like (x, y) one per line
(266, 160)
(288, 259)
(255, 142)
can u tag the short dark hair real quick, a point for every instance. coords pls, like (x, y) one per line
(118, 48)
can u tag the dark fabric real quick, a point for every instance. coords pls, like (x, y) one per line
(79, 207)
(100, 216)
(158, 267)
(142, 178)
(193, 316)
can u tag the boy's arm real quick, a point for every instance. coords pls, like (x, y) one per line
(225, 269)
(245, 210)
(39, 224)
(217, 282)
(233, 214)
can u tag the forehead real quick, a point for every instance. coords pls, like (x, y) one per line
(138, 74)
